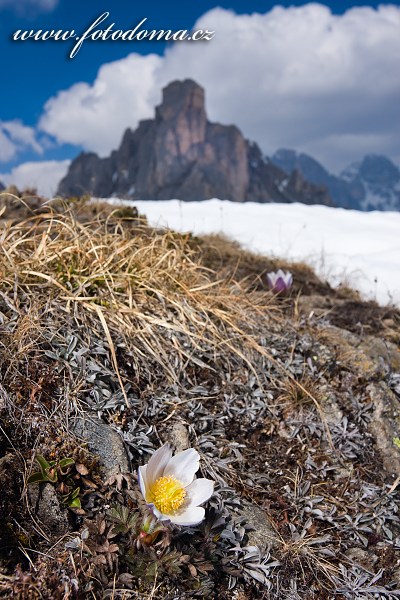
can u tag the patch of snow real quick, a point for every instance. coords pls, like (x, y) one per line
(379, 198)
(361, 249)
(283, 184)
(351, 172)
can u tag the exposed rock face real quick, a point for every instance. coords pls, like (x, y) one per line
(180, 154)
(2, 186)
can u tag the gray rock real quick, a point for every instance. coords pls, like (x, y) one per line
(180, 154)
(363, 558)
(179, 436)
(46, 507)
(396, 574)
(263, 534)
(104, 441)
(329, 406)
(382, 352)
(373, 358)
(385, 425)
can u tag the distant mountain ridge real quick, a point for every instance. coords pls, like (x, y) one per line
(371, 184)
(180, 154)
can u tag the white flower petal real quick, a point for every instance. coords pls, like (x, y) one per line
(157, 464)
(191, 516)
(142, 480)
(199, 491)
(183, 466)
(157, 513)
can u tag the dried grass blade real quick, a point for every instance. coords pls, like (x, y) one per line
(112, 350)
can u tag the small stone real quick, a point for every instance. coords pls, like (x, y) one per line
(264, 534)
(46, 506)
(179, 436)
(104, 441)
(361, 557)
(385, 425)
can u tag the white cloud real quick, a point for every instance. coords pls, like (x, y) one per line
(29, 6)
(7, 148)
(15, 137)
(296, 77)
(95, 116)
(44, 176)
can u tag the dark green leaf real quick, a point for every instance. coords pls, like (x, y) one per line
(74, 503)
(36, 477)
(44, 465)
(66, 462)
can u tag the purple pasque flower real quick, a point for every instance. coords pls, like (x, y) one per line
(279, 282)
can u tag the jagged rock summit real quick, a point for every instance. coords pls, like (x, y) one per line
(180, 154)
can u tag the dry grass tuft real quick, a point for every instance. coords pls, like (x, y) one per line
(133, 285)
(294, 395)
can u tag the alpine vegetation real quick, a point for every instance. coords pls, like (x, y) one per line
(170, 429)
(279, 282)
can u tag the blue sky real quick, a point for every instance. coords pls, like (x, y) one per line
(32, 129)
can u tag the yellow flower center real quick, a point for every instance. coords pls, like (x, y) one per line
(167, 494)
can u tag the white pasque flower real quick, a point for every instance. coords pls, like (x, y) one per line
(169, 488)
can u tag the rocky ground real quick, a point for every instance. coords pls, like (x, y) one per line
(114, 338)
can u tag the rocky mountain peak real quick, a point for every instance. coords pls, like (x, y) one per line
(312, 170)
(181, 117)
(182, 98)
(183, 112)
(379, 170)
(180, 154)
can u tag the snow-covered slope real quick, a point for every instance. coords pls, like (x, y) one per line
(361, 249)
